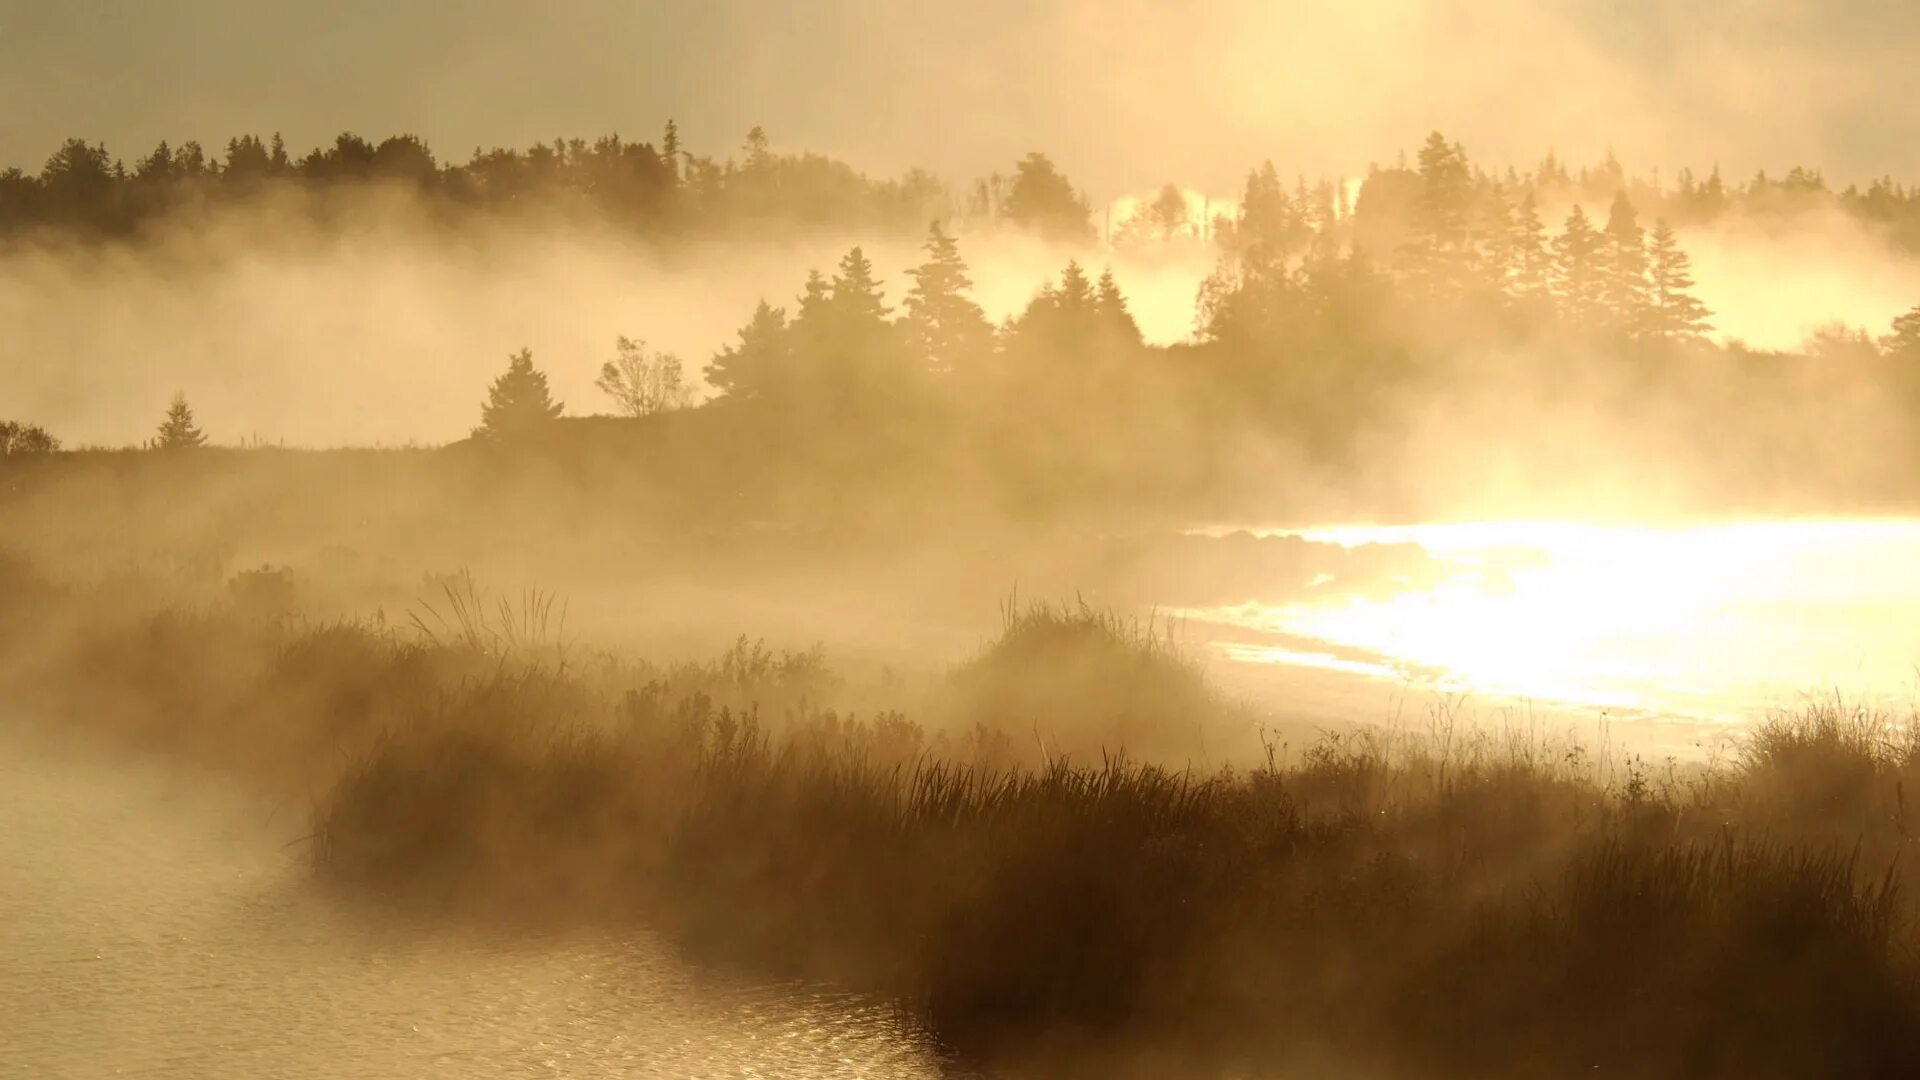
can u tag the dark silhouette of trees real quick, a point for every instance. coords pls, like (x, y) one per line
(1042, 200)
(518, 403)
(1269, 229)
(643, 381)
(18, 440)
(760, 363)
(942, 323)
(666, 193)
(1673, 312)
(1905, 339)
(1117, 320)
(1440, 256)
(1531, 274)
(1580, 271)
(178, 431)
(1624, 257)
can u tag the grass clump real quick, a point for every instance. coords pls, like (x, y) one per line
(1453, 902)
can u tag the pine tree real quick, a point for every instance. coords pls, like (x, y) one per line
(1269, 227)
(518, 404)
(946, 327)
(1439, 258)
(1625, 253)
(1579, 273)
(177, 431)
(670, 150)
(1074, 293)
(1111, 307)
(857, 297)
(1530, 273)
(758, 366)
(1493, 237)
(1673, 312)
(1905, 339)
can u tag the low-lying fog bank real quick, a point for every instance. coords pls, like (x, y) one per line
(994, 851)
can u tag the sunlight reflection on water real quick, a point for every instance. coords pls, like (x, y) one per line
(1713, 620)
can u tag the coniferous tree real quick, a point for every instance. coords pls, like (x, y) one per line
(944, 324)
(670, 150)
(1111, 307)
(760, 363)
(1579, 271)
(1905, 339)
(1492, 239)
(1269, 227)
(1041, 199)
(1439, 258)
(1625, 253)
(518, 403)
(1531, 273)
(1674, 312)
(177, 431)
(857, 296)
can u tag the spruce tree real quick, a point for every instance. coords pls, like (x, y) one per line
(857, 297)
(1579, 273)
(518, 403)
(670, 150)
(1493, 237)
(1111, 307)
(1439, 259)
(1625, 271)
(944, 324)
(177, 431)
(1905, 339)
(758, 365)
(1674, 313)
(1530, 268)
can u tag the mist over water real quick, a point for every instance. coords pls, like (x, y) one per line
(1718, 622)
(153, 926)
(1055, 539)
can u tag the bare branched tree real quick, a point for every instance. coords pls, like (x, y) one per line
(643, 381)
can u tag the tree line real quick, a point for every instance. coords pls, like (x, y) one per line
(657, 187)
(1320, 309)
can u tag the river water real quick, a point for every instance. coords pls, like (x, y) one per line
(154, 924)
(1696, 624)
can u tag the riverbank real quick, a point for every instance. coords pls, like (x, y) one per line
(1440, 900)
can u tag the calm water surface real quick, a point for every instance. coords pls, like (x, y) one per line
(1710, 622)
(153, 927)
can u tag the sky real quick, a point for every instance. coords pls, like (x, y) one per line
(1126, 94)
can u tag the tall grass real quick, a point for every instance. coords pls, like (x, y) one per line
(1452, 901)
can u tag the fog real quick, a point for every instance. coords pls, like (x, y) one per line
(1000, 540)
(1113, 89)
(383, 329)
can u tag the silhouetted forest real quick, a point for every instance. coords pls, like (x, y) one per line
(1443, 305)
(659, 189)
(663, 188)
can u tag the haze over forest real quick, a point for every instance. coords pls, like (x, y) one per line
(1015, 539)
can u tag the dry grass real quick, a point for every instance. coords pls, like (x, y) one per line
(1450, 901)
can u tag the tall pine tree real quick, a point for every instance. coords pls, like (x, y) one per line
(1625, 252)
(945, 326)
(1673, 312)
(1530, 274)
(1579, 271)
